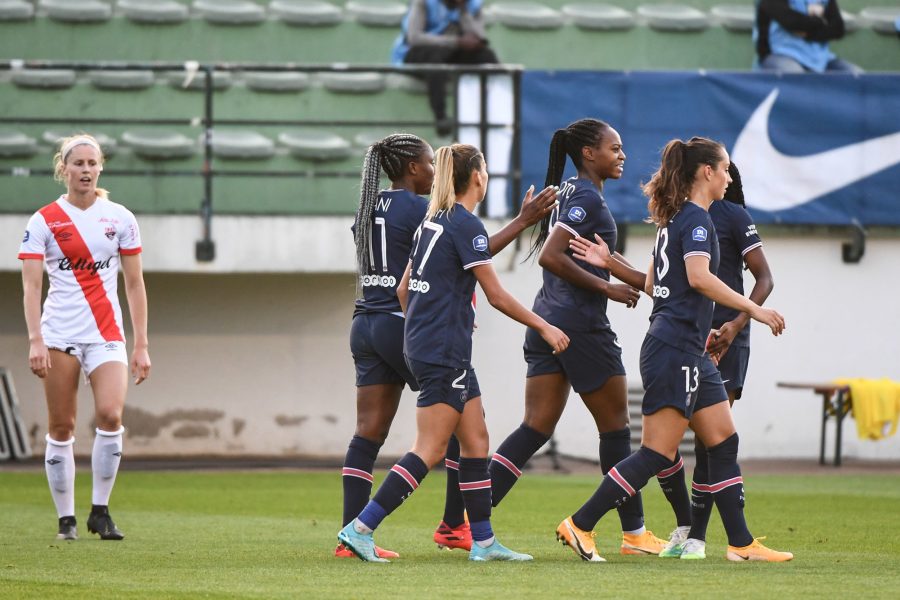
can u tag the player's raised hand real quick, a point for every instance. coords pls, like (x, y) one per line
(554, 336)
(770, 317)
(536, 207)
(596, 254)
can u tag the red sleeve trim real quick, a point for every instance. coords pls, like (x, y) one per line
(26, 255)
(130, 251)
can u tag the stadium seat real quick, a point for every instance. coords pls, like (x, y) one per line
(43, 78)
(122, 80)
(107, 144)
(377, 14)
(241, 145)
(15, 144)
(159, 144)
(851, 21)
(882, 18)
(276, 81)
(354, 83)
(306, 12)
(314, 145)
(673, 17)
(197, 81)
(230, 12)
(735, 17)
(77, 11)
(407, 83)
(525, 15)
(15, 10)
(154, 11)
(602, 17)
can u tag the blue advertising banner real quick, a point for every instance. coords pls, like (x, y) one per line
(812, 149)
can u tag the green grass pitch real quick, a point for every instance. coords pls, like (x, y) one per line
(271, 535)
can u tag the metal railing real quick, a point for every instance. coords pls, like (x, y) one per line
(205, 248)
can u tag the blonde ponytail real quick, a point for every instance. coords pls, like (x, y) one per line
(453, 168)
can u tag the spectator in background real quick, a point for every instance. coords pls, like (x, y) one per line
(792, 36)
(442, 32)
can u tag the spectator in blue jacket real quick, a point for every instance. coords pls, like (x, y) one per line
(792, 36)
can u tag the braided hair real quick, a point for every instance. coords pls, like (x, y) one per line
(669, 187)
(392, 154)
(735, 191)
(568, 141)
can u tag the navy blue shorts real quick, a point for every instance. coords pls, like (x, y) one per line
(444, 385)
(590, 360)
(376, 342)
(679, 379)
(733, 368)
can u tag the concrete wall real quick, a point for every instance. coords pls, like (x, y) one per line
(258, 363)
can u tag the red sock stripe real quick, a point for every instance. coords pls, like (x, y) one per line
(508, 464)
(700, 487)
(474, 485)
(351, 472)
(671, 470)
(718, 487)
(451, 464)
(621, 481)
(405, 475)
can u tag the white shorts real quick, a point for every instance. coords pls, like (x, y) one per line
(91, 356)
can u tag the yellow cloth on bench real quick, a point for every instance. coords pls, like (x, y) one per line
(876, 405)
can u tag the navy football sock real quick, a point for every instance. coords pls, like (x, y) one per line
(454, 506)
(621, 483)
(475, 483)
(727, 487)
(400, 483)
(357, 475)
(615, 446)
(507, 463)
(701, 499)
(671, 481)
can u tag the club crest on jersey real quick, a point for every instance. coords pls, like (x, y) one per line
(110, 232)
(577, 214)
(699, 234)
(480, 243)
(27, 236)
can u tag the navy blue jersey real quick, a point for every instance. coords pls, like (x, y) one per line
(682, 316)
(396, 216)
(582, 212)
(737, 236)
(439, 315)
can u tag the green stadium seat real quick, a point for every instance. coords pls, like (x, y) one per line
(241, 145)
(107, 144)
(14, 144)
(525, 15)
(266, 81)
(44, 78)
(673, 17)
(154, 11)
(882, 18)
(364, 139)
(306, 12)
(77, 11)
(15, 10)
(735, 17)
(377, 14)
(158, 144)
(315, 145)
(196, 81)
(230, 12)
(601, 17)
(851, 22)
(353, 83)
(407, 83)
(122, 80)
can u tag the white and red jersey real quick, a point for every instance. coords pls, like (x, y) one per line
(80, 249)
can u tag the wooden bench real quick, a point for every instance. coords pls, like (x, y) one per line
(836, 402)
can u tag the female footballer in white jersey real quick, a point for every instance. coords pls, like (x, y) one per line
(83, 238)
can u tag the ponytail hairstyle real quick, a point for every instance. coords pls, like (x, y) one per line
(735, 191)
(568, 141)
(453, 168)
(391, 154)
(66, 145)
(669, 187)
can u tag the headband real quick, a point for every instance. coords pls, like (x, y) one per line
(81, 140)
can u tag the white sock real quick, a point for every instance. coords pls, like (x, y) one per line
(361, 527)
(639, 531)
(59, 462)
(105, 464)
(485, 543)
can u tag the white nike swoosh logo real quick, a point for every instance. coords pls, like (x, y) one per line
(775, 181)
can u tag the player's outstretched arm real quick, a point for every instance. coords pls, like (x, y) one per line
(534, 208)
(32, 284)
(599, 255)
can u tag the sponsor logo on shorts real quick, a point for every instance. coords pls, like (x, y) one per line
(687, 400)
(480, 243)
(385, 281)
(111, 346)
(699, 234)
(419, 285)
(577, 214)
